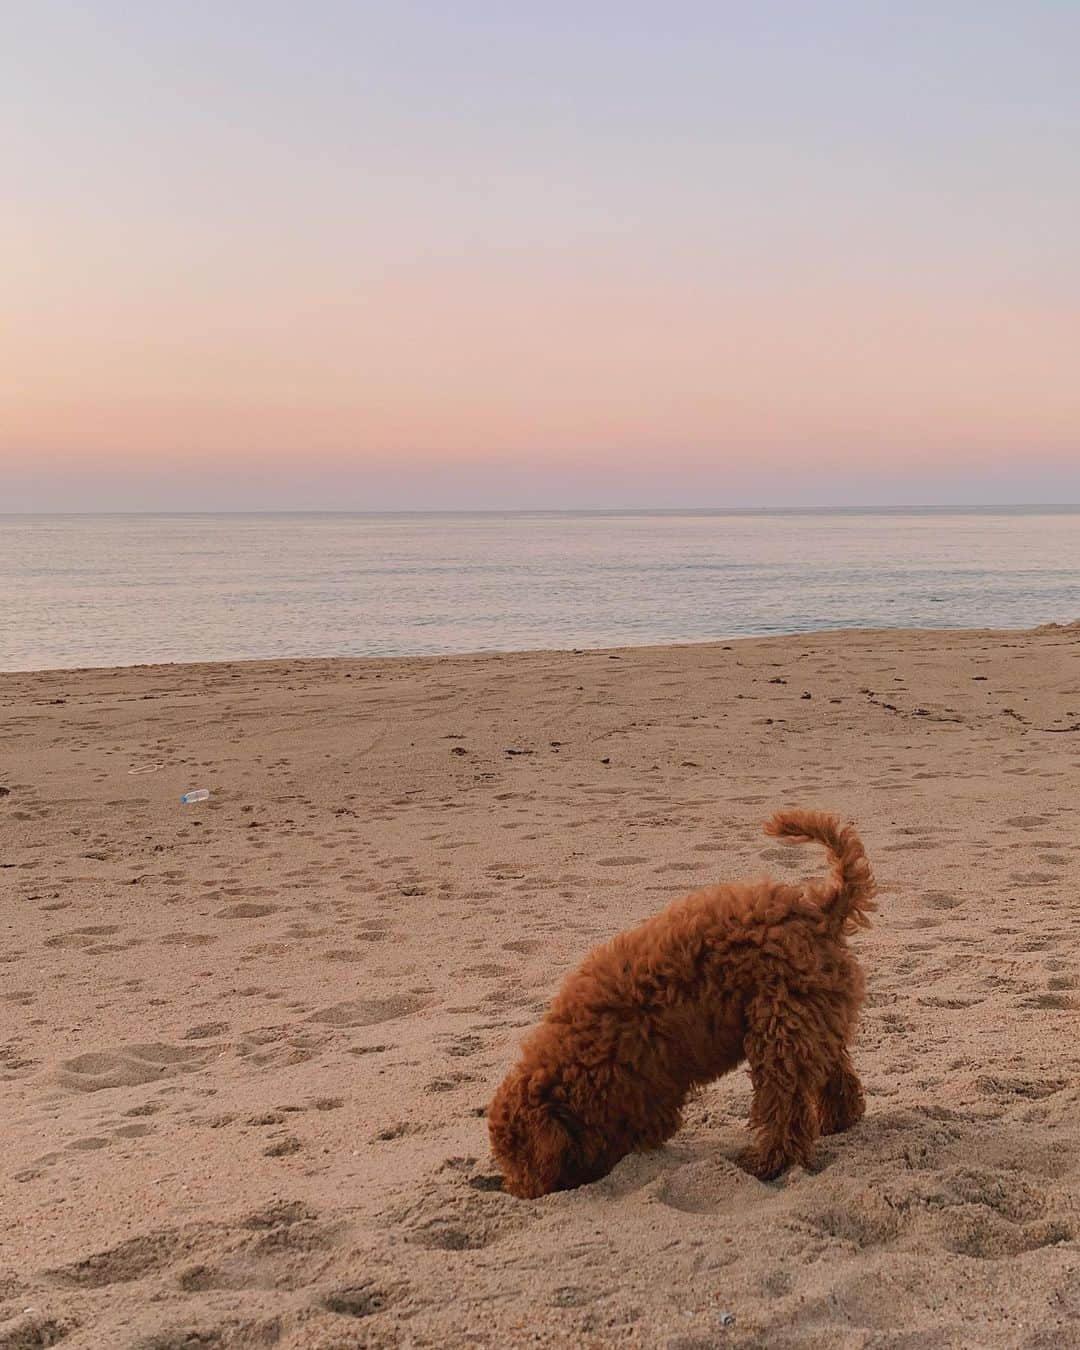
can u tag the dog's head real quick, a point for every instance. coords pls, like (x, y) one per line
(537, 1140)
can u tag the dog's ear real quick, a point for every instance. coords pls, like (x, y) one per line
(562, 1115)
(547, 1093)
(560, 1137)
(533, 1135)
(538, 1087)
(553, 1151)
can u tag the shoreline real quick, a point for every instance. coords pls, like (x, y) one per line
(1048, 628)
(247, 1044)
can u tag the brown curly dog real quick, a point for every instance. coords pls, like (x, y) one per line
(758, 971)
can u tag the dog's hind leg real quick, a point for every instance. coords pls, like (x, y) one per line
(789, 1053)
(842, 1102)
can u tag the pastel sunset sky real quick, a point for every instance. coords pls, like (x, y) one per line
(262, 255)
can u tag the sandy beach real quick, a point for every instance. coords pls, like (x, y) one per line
(246, 1044)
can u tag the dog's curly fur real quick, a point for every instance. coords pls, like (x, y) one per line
(759, 971)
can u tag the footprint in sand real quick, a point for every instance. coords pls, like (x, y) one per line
(231, 1332)
(979, 1231)
(130, 1260)
(450, 1083)
(204, 1030)
(365, 1012)
(278, 1046)
(32, 1330)
(129, 1066)
(83, 937)
(189, 940)
(714, 1186)
(461, 1046)
(361, 1050)
(247, 910)
(785, 856)
(858, 1215)
(1054, 1002)
(454, 1215)
(525, 946)
(941, 900)
(362, 1299)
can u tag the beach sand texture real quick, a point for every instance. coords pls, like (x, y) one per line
(246, 1045)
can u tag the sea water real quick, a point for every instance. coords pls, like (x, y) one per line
(127, 589)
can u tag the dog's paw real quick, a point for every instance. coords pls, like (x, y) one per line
(835, 1120)
(765, 1166)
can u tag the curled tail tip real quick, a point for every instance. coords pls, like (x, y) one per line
(800, 827)
(852, 889)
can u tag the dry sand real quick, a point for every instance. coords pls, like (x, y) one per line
(246, 1045)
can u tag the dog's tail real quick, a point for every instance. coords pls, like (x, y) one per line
(849, 901)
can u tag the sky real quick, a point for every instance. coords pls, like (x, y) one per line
(310, 255)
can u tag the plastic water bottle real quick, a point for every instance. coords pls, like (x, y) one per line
(195, 795)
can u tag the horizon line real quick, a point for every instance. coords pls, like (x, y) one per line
(566, 510)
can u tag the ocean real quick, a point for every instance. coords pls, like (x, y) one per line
(101, 590)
